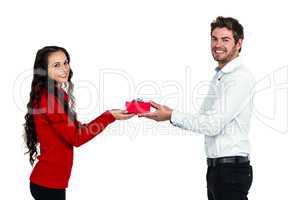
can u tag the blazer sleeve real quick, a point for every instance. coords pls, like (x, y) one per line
(72, 132)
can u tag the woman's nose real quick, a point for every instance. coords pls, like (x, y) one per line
(65, 68)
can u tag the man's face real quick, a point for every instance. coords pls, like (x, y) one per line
(223, 46)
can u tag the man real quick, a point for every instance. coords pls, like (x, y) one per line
(224, 117)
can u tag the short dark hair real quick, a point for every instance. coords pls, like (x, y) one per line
(231, 24)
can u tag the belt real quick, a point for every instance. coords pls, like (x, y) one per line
(211, 162)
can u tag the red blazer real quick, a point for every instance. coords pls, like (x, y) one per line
(57, 134)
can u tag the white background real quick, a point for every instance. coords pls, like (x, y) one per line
(146, 49)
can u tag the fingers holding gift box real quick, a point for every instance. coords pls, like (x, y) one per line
(137, 106)
(161, 113)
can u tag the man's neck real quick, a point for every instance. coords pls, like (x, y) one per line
(222, 64)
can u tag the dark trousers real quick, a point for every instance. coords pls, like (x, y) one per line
(43, 193)
(229, 181)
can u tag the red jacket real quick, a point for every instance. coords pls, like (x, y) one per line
(57, 134)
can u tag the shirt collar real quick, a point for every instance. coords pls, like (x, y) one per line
(231, 66)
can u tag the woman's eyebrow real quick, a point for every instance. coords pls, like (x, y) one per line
(54, 63)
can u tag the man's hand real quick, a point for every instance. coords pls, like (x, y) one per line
(162, 113)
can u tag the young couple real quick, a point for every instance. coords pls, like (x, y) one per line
(51, 123)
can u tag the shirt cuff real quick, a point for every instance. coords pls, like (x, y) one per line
(175, 118)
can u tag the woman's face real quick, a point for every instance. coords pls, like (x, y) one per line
(58, 67)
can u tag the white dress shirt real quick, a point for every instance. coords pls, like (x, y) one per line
(224, 117)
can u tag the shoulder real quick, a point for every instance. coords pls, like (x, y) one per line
(50, 102)
(242, 74)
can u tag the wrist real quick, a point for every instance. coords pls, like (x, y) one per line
(169, 114)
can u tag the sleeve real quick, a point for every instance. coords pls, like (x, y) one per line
(233, 99)
(73, 132)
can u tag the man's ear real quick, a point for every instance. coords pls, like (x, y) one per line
(239, 44)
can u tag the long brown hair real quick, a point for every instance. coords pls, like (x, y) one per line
(41, 81)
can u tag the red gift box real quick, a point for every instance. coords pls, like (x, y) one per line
(137, 107)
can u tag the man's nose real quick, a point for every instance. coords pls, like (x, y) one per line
(218, 43)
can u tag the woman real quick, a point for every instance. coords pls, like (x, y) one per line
(51, 122)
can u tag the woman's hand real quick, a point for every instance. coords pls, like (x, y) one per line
(121, 114)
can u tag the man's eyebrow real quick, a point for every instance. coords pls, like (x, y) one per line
(226, 37)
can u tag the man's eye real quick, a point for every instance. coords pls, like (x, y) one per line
(56, 65)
